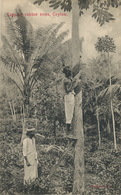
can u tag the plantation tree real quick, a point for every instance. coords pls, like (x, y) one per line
(101, 14)
(112, 91)
(94, 79)
(106, 45)
(96, 82)
(78, 182)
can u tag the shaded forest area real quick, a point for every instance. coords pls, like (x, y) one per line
(32, 96)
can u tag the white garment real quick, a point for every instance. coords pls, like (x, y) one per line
(29, 150)
(69, 106)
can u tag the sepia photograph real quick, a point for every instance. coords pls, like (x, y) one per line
(60, 97)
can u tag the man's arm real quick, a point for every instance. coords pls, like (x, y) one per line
(69, 85)
(27, 162)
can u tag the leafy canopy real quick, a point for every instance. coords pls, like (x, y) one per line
(100, 7)
(105, 44)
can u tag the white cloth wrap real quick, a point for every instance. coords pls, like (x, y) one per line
(69, 106)
(29, 150)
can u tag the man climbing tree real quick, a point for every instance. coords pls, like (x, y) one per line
(70, 85)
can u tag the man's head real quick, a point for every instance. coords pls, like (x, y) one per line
(67, 71)
(30, 132)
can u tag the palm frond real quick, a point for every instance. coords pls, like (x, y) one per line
(113, 89)
(54, 28)
(41, 37)
(57, 41)
(11, 29)
(20, 33)
(14, 77)
(50, 27)
(11, 54)
(25, 34)
(47, 43)
(51, 36)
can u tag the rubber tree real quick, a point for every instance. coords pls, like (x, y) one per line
(106, 45)
(101, 14)
(78, 182)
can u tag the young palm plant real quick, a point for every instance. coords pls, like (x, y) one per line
(27, 55)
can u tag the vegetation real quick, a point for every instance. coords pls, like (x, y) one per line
(100, 7)
(101, 14)
(46, 112)
(28, 57)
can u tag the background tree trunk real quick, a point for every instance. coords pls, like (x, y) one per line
(78, 184)
(23, 124)
(111, 105)
(108, 126)
(98, 121)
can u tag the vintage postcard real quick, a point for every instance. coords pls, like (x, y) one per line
(60, 97)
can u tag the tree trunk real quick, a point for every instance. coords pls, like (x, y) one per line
(98, 121)
(23, 124)
(111, 105)
(98, 126)
(108, 126)
(78, 184)
(114, 130)
(27, 89)
(25, 108)
(26, 96)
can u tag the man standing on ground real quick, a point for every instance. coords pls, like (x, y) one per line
(30, 157)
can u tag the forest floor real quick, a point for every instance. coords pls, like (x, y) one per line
(102, 165)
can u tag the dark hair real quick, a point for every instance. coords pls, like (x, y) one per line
(29, 132)
(67, 71)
